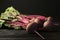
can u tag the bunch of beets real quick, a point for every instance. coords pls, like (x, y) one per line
(14, 19)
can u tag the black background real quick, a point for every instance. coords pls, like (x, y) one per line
(41, 7)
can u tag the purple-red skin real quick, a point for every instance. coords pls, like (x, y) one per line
(26, 20)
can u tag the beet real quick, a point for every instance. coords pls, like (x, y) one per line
(31, 27)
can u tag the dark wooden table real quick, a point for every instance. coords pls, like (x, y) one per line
(9, 34)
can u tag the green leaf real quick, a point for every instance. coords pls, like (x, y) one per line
(10, 12)
(17, 27)
(7, 24)
(1, 22)
(3, 16)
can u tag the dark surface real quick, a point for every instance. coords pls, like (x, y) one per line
(6, 34)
